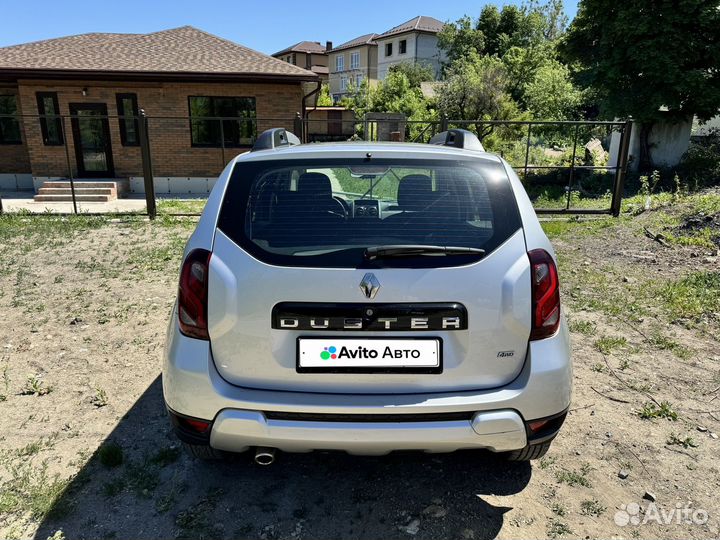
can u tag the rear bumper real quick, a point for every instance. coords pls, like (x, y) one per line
(235, 430)
(241, 417)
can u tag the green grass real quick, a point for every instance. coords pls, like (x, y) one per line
(687, 442)
(165, 456)
(585, 328)
(662, 342)
(573, 477)
(46, 228)
(163, 257)
(592, 507)
(111, 455)
(558, 509)
(704, 237)
(35, 386)
(608, 344)
(578, 226)
(28, 487)
(181, 206)
(650, 411)
(557, 528)
(693, 297)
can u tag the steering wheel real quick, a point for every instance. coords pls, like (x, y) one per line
(346, 205)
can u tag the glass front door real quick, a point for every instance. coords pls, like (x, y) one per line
(91, 135)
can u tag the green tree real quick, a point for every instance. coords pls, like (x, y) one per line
(475, 89)
(324, 98)
(460, 39)
(395, 94)
(488, 24)
(415, 72)
(641, 56)
(551, 94)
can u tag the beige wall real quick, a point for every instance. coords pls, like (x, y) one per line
(367, 67)
(172, 153)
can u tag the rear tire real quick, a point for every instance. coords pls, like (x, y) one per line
(204, 452)
(530, 452)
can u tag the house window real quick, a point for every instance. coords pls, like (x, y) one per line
(343, 84)
(9, 125)
(214, 120)
(403, 46)
(358, 80)
(127, 109)
(355, 60)
(388, 49)
(340, 62)
(50, 123)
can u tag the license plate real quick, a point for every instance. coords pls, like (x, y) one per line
(421, 355)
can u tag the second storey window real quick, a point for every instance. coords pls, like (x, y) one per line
(50, 122)
(355, 60)
(402, 46)
(343, 84)
(214, 119)
(127, 109)
(340, 62)
(9, 125)
(388, 49)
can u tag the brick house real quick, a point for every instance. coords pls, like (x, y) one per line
(70, 105)
(309, 55)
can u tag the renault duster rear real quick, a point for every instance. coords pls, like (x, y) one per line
(367, 297)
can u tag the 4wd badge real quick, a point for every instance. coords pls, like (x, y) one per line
(369, 285)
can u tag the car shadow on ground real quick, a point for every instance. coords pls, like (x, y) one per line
(159, 492)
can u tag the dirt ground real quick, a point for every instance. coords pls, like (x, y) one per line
(86, 450)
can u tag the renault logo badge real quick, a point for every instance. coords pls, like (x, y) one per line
(369, 285)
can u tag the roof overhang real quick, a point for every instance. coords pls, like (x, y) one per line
(13, 74)
(408, 31)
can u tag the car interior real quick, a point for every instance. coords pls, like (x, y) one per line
(292, 207)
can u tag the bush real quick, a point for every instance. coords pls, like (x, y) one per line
(700, 166)
(111, 455)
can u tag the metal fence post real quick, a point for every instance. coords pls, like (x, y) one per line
(527, 151)
(222, 144)
(147, 165)
(623, 157)
(298, 127)
(443, 123)
(67, 158)
(572, 167)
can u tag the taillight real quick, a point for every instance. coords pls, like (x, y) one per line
(193, 294)
(545, 294)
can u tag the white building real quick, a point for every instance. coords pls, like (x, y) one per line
(413, 41)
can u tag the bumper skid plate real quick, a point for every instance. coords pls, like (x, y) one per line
(236, 430)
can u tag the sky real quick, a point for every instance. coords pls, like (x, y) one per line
(264, 25)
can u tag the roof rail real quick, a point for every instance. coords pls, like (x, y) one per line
(458, 138)
(275, 138)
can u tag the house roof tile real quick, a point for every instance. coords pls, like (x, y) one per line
(179, 50)
(303, 46)
(421, 23)
(367, 39)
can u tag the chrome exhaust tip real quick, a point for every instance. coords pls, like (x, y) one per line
(264, 455)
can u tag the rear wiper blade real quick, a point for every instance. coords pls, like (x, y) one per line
(384, 252)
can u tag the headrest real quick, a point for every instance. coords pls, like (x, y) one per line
(415, 192)
(316, 184)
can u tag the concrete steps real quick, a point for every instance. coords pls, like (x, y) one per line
(85, 190)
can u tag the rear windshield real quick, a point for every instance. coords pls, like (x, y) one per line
(327, 213)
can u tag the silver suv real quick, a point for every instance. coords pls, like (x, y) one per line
(367, 297)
